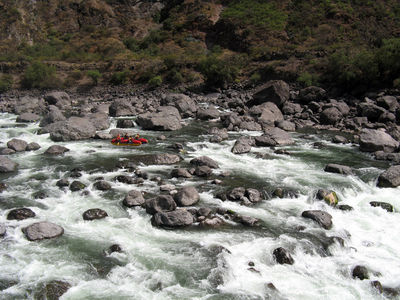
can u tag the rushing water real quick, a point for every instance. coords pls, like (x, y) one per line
(189, 263)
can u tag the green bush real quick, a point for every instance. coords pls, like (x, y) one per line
(6, 82)
(155, 81)
(255, 78)
(388, 57)
(94, 75)
(39, 75)
(217, 73)
(306, 79)
(119, 78)
(174, 76)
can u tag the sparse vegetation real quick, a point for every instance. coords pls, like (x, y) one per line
(40, 75)
(94, 75)
(6, 82)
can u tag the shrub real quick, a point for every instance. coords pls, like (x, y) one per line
(155, 81)
(94, 75)
(39, 75)
(174, 76)
(119, 77)
(388, 57)
(217, 73)
(255, 78)
(6, 82)
(306, 79)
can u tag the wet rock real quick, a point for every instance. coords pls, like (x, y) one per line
(246, 220)
(103, 136)
(267, 114)
(62, 183)
(203, 171)
(330, 116)
(372, 140)
(276, 91)
(208, 113)
(284, 193)
(114, 132)
(2, 230)
(274, 137)
(243, 145)
(114, 248)
(73, 129)
(166, 119)
(56, 150)
(76, 186)
(204, 211)
(28, 118)
(213, 222)
(53, 115)
(216, 181)
(338, 139)
(133, 198)
(99, 120)
(32, 146)
(173, 219)
(312, 93)
(20, 214)
(286, 125)
(158, 159)
(53, 290)
(7, 151)
(181, 173)
(250, 126)
(123, 123)
(328, 196)
(3, 186)
(59, 99)
(282, 256)
(386, 206)
(339, 169)
(39, 195)
(94, 214)
(7, 165)
(42, 230)
(121, 107)
(161, 138)
(187, 196)
(253, 195)
(125, 179)
(161, 203)
(204, 161)
(102, 185)
(236, 194)
(390, 178)
(185, 105)
(17, 145)
(344, 207)
(360, 272)
(167, 188)
(321, 217)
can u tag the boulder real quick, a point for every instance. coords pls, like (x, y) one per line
(28, 117)
(339, 169)
(32, 146)
(53, 290)
(6, 151)
(56, 150)
(370, 110)
(328, 196)
(99, 120)
(204, 161)
(28, 104)
(161, 203)
(53, 115)
(312, 93)
(124, 123)
(158, 159)
(208, 113)
(186, 106)
(203, 171)
(59, 99)
(267, 114)
(330, 116)
(285, 193)
(94, 214)
(236, 194)
(253, 195)
(282, 256)
(286, 125)
(125, 179)
(167, 118)
(187, 196)
(17, 145)
(121, 107)
(62, 183)
(276, 91)
(388, 102)
(386, 206)
(390, 178)
(274, 137)
(290, 108)
(42, 230)
(172, 219)
(321, 217)
(250, 126)
(3, 186)
(76, 186)
(7, 165)
(372, 140)
(20, 214)
(243, 145)
(133, 198)
(102, 185)
(181, 173)
(338, 139)
(73, 129)
(360, 272)
(344, 207)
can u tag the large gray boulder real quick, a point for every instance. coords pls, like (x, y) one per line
(208, 113)
(243, 145)
(167, 118)
(187, 196)
(28, 117)
(59, 99)
(28, 104)
(172, 219)
(17, 145)
(388, 102)
(390, 178)
(33, 146)
(180, 173)
(121, 107)
(186, 105)
(73, 129)
(204, 161)
(133, 198)
(372, 140)
(56, 150)
(330, 116)
(321, 217)
(53, 115)
(339, 169)
(274, 137)
(42, 230)
(370, 110)
(267, 113)
(276, 91)
(94, 214)
(311, 93)
(99, 120)
(7, 165)
(161, 203)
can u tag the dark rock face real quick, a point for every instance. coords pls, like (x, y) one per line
(56, 150)
(73, 129)
(204, 161)
(390, 178)
(371, 111)
(181, 173)
(375, 140)
(125, 123)
(242, 145)
(17, 145)
(208, 113)
(42, 230)
(114, 248)
(187, 196)
(321, 217)
(28, 117)
(20, 214)
(360, 272)
(62, 182)
(76, 186)
(330, 116)
(311, 93)
(274, 137)
(133, 198)
(33, 146)
(54, 290)
(94, 214)
(7, 165)
(386, 206)
(282, 256)
(161, 203)
(121, 107)
(339, 169)
(172, 219)
(102, 185)
(276, 91)
(166, 119)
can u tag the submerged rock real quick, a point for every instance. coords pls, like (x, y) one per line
(390, 178)
(328, 196)
(94, 214)
(42, 230)
(2, 230)
(181, 173)
(76, 186)
(243, 145)
(282, 256)
(102, 185)
(28, 117)
(133, 198)
(321, 217)
(172, 219)
(339, 169)
(360, 272)
(20, 214)
(7, 165)
(56, 150)
(162, 203)
(53, 290)
(386, 206)
(204, 161)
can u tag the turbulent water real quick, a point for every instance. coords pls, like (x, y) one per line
(190, 263)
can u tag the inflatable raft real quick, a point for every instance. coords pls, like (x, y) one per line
(127, 142)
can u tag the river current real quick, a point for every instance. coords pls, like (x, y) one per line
(198, 263)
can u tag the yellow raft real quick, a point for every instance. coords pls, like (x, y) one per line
(125, 144)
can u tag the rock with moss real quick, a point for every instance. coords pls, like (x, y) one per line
(328, 196)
